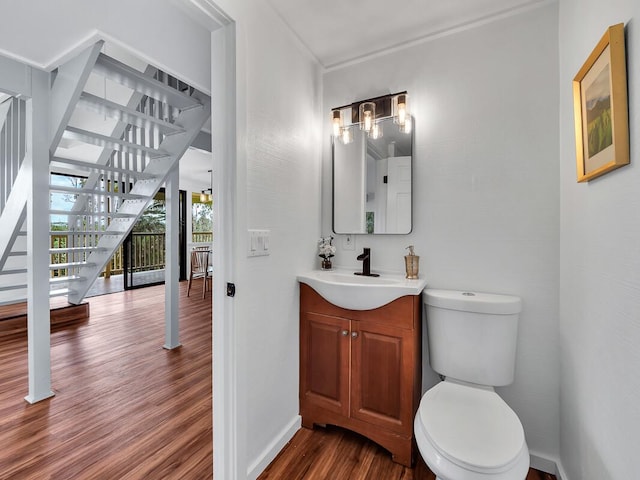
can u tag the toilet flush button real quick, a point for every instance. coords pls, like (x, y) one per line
(468, 294)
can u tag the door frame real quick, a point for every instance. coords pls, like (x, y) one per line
(225, 363)
(182, 246)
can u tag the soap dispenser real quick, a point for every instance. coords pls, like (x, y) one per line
(412, 263)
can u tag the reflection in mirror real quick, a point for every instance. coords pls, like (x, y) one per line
(372, 182)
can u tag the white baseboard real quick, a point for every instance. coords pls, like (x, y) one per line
(272, 450)
(548, 465)
(560, 473)
(537, 461)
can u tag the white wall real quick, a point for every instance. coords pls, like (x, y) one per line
(486, 187)
(41, 32)
(600, 270)
(277, 188)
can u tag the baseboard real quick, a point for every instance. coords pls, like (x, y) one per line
(560, 473)
(548, 465)
(272, 450)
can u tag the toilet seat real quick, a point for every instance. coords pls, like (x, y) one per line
(472, 428)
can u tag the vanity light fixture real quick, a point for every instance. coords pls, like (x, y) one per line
(367, 114)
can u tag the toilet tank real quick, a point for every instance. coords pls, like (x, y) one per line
(472, 336)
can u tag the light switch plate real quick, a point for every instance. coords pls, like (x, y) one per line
(258, 243)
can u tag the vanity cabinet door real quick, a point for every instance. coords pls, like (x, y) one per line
(324, 363)
(383, 372)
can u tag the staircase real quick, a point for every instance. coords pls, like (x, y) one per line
(123, 139)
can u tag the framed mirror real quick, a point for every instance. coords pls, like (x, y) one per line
(372, 181)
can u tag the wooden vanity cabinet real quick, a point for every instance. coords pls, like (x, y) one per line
(361, 369)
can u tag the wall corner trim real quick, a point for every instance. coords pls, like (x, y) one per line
(548, 464)
(271, 451)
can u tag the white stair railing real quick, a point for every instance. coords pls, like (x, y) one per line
(12, 144)
(13, 198)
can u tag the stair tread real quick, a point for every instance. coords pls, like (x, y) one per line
(117, 144)
(68, 278)
(126, 114)
(12, 287)
(92, 214)
(92, 191)
(75, 232)
(104, 168)
(55, 250)
(132, 78)
(56, 266)
(14, 271)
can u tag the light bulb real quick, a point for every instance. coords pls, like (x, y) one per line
(367, 116)
(376, 131)
(400, 114)
(406, 127)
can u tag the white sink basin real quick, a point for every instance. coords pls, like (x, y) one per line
(355, 292)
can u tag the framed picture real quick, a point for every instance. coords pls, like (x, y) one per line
(600, 108)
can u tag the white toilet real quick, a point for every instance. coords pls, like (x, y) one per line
(463, 429)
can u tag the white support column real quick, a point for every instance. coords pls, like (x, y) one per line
(172, 261)
(38, 318)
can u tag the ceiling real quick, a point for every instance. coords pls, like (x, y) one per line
(341, 31)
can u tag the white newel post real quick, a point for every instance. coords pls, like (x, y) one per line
(38, 317)
(172, 263)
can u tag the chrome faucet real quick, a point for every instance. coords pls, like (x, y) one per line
(365, 258)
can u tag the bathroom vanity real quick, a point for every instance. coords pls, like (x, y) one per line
(361, 368)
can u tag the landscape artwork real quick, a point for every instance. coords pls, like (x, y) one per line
(598, 103)
(600, 108)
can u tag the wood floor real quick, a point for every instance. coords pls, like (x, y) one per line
(125, 408)
(338, 454)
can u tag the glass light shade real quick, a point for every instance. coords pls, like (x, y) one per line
(336, 121)
(203, 196)
(346, 136)
(406, 127)
(376, 131)
(400, 112)
(367, 116)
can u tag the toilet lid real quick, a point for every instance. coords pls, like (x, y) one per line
(472, 427)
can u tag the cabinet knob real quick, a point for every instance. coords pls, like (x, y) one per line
(345, 333)
(354, 334)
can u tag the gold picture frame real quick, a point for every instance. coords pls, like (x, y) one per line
(600, 108)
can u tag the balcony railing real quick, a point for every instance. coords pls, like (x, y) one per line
(202, 237)
(148, 251)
